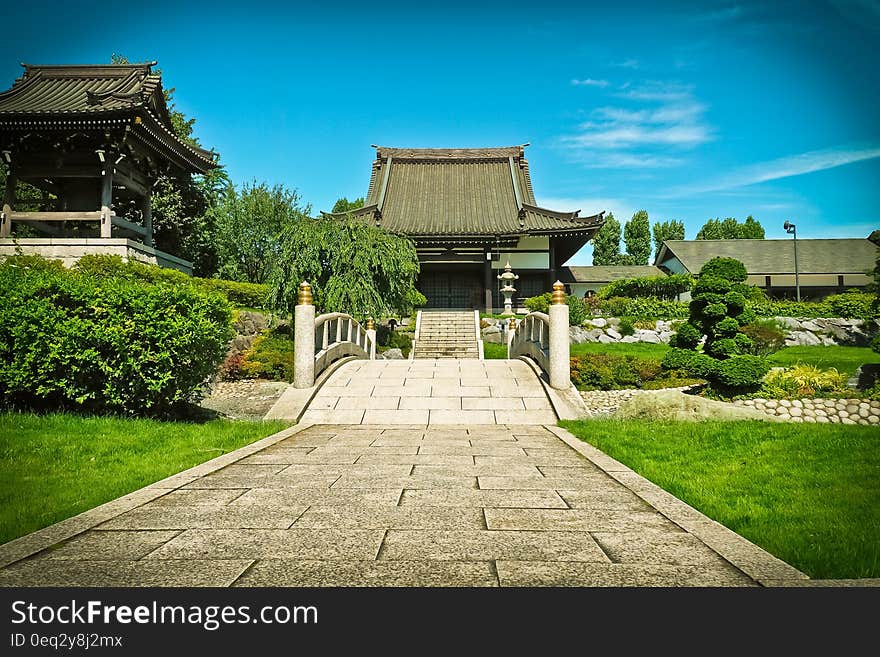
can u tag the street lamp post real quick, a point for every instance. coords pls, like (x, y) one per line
(791, 229)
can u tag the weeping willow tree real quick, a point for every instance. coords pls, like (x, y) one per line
(352, 267)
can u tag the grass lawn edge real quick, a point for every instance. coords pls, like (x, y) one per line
(29, 544)
(754, 561)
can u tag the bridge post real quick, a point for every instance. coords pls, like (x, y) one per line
(371, 338)
(560, 367)
(511, 334)
(304, 338)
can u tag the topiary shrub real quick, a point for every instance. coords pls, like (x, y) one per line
(75, 340)
(738, 374)
(718, 311)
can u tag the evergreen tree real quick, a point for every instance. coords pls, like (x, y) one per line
(731, 229)
(606, 243)
(667, 230)
(751, 229)
(637, 236)
(344, 205)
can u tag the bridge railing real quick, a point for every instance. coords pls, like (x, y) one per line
(544, 338)
(319, 341)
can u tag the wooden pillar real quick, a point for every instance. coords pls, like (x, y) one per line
(107, 197)
(8, 202)
(147, 212)
(487, 281)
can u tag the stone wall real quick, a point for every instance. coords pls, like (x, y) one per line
(822, 411)
(70, 249)
(822, 331)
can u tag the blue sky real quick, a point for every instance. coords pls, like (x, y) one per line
(688, 110)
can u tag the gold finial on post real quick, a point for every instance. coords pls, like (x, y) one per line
(558, 293)
(511, 324)
(305, 294)
(371, 325)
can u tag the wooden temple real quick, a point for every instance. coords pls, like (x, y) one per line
(470, 211)
(94, 140)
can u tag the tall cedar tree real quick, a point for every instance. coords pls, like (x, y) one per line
(606, 243)
(637, 236)
(667, 230)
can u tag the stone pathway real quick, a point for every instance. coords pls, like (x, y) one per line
(357, 505)
(432, 392)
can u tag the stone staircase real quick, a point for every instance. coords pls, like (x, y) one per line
(447, 334)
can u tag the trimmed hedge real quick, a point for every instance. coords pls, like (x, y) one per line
(665, 288)
(250, 295)
(643, 308)
(85, 341)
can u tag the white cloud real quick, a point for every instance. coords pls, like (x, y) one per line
(783, 167)
(659, 120)
(627, 63)
(590, 82)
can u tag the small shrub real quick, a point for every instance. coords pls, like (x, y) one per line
(627, 326)
(577, 311)
(852, 305)
(767, 336)
(610, 371)
(803, 380)
(689, 362)
(538, 304)
(269, 357)
(738, 374)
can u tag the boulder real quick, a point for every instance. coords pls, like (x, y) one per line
(492, 334)
(789, 322)
(485, 322)
(613, 333)
(804, 338)
(613, 321)
(628, 339)
(248, 322)
(577, 335)
(665, 336)
(392, 354)
(811, 326)
(598, 322)
(676, 405)
(605, 339)
(643, 335)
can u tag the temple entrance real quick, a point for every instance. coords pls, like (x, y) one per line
(452, 289)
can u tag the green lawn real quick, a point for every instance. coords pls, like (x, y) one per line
(845, 359)
(55, 466)
(493, 350)
(809, 494)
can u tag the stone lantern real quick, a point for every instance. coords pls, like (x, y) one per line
(507, 289)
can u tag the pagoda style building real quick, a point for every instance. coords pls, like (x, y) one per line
(470, 211)
(93, 139)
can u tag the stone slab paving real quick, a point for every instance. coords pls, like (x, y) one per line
(396, 505)
(433, 392)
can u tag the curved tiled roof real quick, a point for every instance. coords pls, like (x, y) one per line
(462, 192)
(80, 96)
